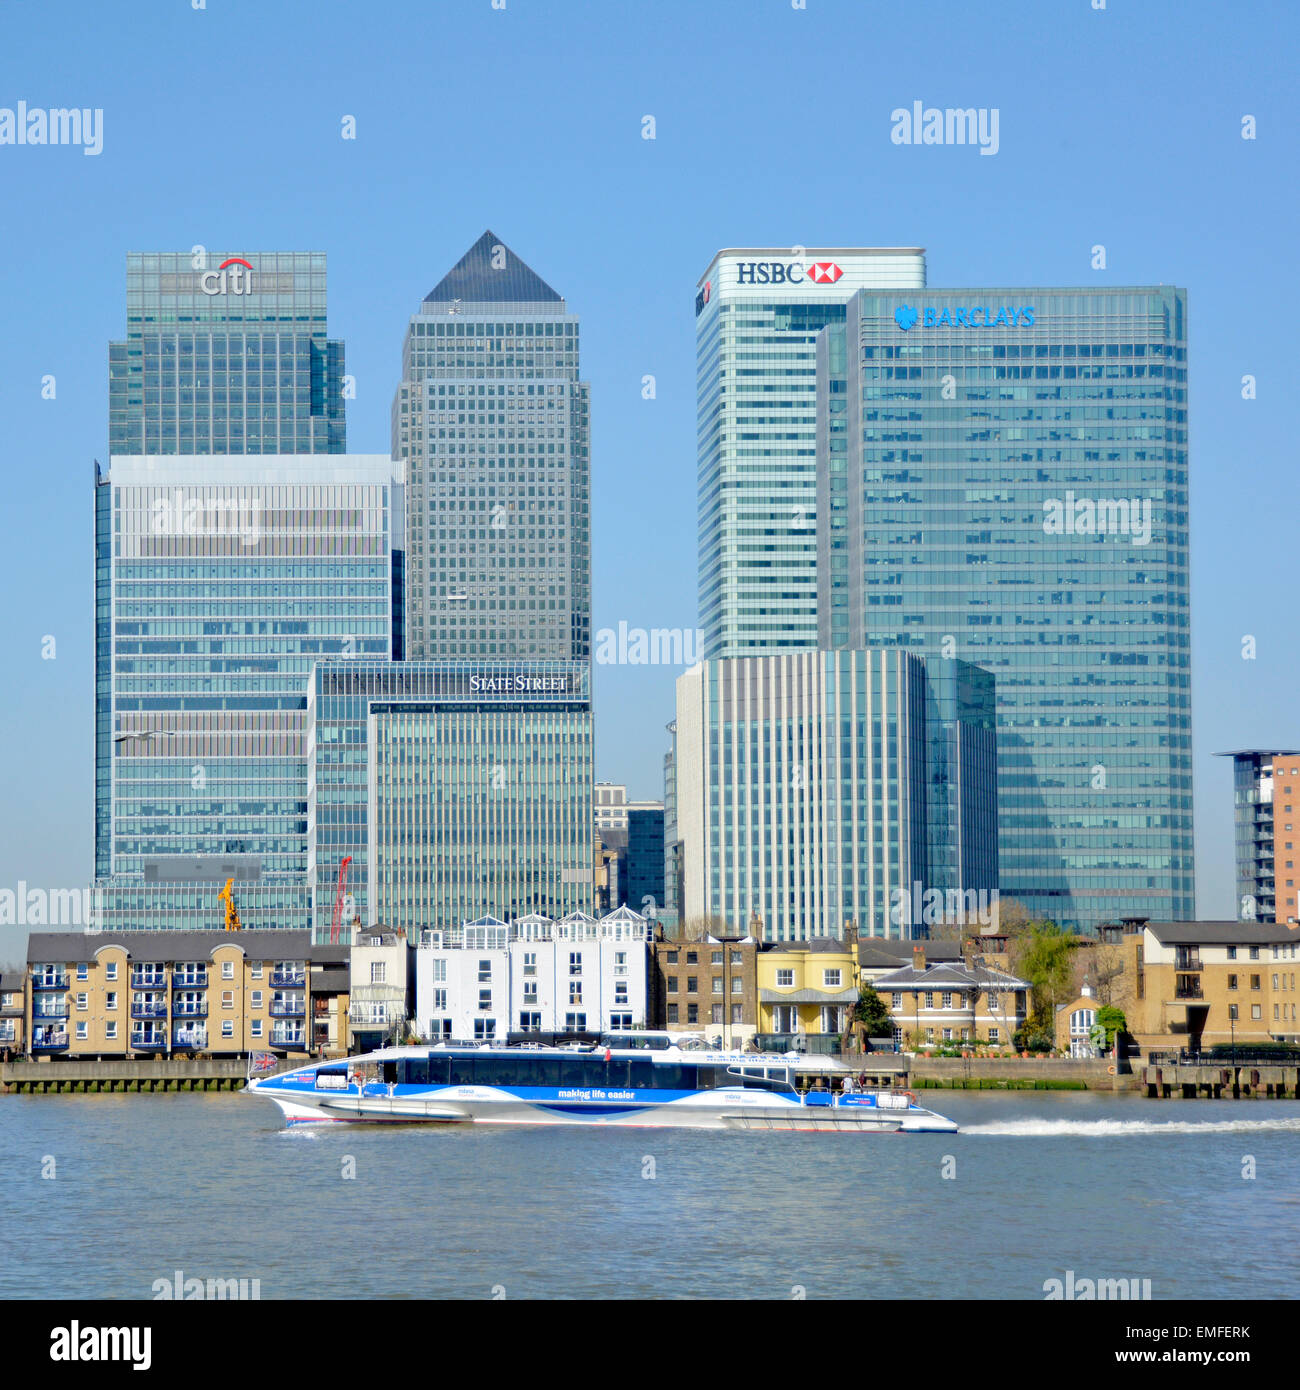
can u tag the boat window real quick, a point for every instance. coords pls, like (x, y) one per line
(528, 1069)
(414, 1071)
(676, 1078)
(389, 1071)
(462, 1071)
(753, 1079)
(641, 1075)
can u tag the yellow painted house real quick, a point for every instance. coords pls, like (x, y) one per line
(806, 993)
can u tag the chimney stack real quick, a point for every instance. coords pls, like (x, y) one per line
(918, 957)
(850, 931)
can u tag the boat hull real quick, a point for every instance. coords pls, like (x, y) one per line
(716, 1110)
(617, 1088)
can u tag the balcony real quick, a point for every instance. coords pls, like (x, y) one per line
(190, 1039)
(50, 1009)
(49, 982)
(816, 1043)
(194, 980)
(49, 1040)
(288, 1008)
(8, 1032)
(151, 1009)
(189, 1008)
(288, 1037)
(375, 1015)
(155, 979)
(1187, 958)
(148, 1042)
(1193, 991)
(288, 979)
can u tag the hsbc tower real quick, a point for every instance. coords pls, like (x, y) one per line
(758, 311)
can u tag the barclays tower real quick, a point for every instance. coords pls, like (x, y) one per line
(1002, 478)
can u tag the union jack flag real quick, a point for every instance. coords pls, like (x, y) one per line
(261, 1061)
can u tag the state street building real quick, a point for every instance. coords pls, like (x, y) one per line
(456, 788)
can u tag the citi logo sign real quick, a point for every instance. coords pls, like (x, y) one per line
(228, 278)
(981, 316)
(786, 273)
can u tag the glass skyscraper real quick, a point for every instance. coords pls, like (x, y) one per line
(456, 788)
(806, 792)
(492, 422)
(1002, 478)
(219, 597)
(225, 354)
(1265, 789)
(235, 545)
(758, 311)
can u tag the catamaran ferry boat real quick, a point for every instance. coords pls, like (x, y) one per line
(608, 1084)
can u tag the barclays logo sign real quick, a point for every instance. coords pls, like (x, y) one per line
(981, 316)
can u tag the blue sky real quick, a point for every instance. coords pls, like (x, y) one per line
(222, 127)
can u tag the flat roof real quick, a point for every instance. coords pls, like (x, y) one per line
(811, 251)
(1259, 753)
(1223, 933)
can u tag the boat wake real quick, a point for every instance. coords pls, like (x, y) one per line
(1124, 1129)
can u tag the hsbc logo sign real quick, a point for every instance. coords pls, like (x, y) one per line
(703, 297)
(824, 272)
(787, 273)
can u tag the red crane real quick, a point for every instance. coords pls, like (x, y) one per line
(337, 919)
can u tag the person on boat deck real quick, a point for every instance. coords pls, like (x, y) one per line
(849, 1085)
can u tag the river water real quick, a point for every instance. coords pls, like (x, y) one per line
(213, 1186)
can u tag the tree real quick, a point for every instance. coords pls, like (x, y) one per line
(1012, 917)
(1105, 972)
(872, 1013)
(1042, 955)
(1113, 1021)
(698, 928)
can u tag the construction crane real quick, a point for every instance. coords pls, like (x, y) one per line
(227, 896)
(337, 920)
